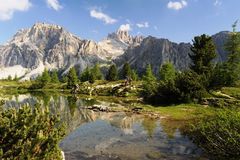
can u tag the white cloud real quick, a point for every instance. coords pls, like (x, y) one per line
(8, 7)
(102, 16)
(143, 25)
(177, 5)
(156, 28)
(217, 3)
(54, 4)
(125, 27)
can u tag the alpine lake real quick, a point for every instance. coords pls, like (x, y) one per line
(109, 128)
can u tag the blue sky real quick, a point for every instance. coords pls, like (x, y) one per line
(177, 20)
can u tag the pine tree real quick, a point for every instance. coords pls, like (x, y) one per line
(126, 71)
(92, 78)
(85, 75)
(233, 62)
(203, 53)
(45, 78)
(134, 75)
(9, 78)
(72, 78)
(167, 72)
(149, 83)
(64, 78)
(96, 72)
(54, 77)
(149, 74)
(15, 78)
(190, 86)
(112, 73)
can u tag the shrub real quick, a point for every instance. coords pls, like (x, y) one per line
(28, 133)
(168, 93)
(190, 86)
(219, 136)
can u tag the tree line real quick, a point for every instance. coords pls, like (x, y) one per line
(90, 74)
(202, 76)
(170, 85)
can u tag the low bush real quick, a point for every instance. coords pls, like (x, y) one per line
(219, 136)
(29, 133)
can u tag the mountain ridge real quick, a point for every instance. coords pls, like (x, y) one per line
(52, 47)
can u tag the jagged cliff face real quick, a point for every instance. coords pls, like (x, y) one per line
(155, 52)
(46, 46)
(220, 40)
(118, 42)
(52, 47)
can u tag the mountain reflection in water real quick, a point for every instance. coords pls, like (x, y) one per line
(110, 135)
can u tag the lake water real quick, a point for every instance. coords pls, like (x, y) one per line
(111, 135)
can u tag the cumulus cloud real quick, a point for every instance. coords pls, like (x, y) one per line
(54, 4)
(8, 7)
(177, 5)
(125, 27)
(143, 25)
(102, 16)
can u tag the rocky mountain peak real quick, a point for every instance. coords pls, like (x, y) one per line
(125, 37)
(119, 35)
(46, 46)
(51, 46)
(46, 25)
(118, 42)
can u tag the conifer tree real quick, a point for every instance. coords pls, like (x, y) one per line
(15, 78)
(112, 73)
(9, 78)
(149, 83)
(64, 78)
(45, 78)
(203, 53)
(233, 62)
(85, 75)
(167, 72)
(72, 78)
(96, 72)
(134, 75)
(126, 71)
(54, 77)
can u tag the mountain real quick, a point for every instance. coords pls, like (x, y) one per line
(156, 51)
(46, 46)
(220, 40)
(118, 42)
(52, 47)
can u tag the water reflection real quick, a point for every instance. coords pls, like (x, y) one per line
(110, 135)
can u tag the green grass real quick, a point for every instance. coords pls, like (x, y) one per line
(14, 84)
(178, 116)
(181, 111)
(231, 91)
